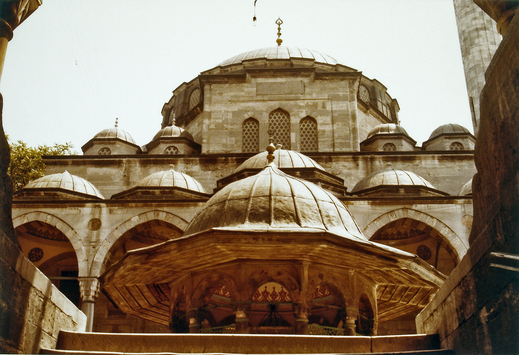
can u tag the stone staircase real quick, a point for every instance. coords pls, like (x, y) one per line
(129, 344)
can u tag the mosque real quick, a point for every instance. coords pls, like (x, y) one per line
(282, 196)
(346, 225)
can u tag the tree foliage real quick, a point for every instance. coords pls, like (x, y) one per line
(27, 163)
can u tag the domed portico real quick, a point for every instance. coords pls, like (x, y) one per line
(271, 254)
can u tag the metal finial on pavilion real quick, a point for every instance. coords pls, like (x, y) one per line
(279, 22)
(116, 122)
(270, 149)
(173, 119)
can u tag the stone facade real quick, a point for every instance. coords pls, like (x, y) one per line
(306, 102)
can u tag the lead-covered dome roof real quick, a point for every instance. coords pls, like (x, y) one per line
(285, 159)
(390, 176)
(172, 132)
(171, 178)
(274, 201)
(65, 181)
(115, 133)
(387, 128)
(280, 52)
(449, 128)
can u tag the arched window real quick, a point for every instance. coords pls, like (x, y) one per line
(279, 128)
(364, 94)
(250, 136)
(194, 98)
(389, 147)
(308, 135)
(456, 146)
(104, 151)
(171, 150)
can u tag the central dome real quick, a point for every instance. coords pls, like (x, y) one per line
(274, 201)
(280, 52)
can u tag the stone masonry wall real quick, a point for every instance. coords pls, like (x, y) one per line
(32, 310)
(477, 308)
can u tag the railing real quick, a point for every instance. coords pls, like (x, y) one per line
(226, 329)
(314, 329)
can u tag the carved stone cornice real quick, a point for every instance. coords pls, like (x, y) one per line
(13, 13)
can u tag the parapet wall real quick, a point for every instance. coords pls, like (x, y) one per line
(32, 309)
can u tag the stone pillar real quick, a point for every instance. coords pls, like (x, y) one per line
(242, 319)
(349, 326)
(301, 316)
(194, 321)
(89, 288)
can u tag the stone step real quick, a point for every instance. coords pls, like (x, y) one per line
(110, 343)
(76, 352)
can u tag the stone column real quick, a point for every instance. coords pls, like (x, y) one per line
(89, 288)
(242, 318)
(194, 321)
(349, 326)
(301, 316)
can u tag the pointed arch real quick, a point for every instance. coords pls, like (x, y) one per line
(100, 258)
(250, 135)
(279, 128)
(308, 141)
(64, 228)
(444, 231)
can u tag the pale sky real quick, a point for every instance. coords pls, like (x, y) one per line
(75, 66)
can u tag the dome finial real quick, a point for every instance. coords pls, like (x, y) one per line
(116, 122)
(270, 149)
(173, 119)
(279, 22)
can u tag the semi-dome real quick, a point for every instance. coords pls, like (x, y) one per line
(65, 181)
(466, 189)
(393, 177)
(387, 128)
(171, 178)
(449, 128)
(274, 201)
(280, 52)
(173, 132)
(115, 133)
(285, 159)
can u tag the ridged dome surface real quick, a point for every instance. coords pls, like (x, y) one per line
(280, 52)
(65, 181)
(283, 158)
(391, 176)
(274, 201)
(171, 178)
(387, 128)
(449, 128)
(115, 133)
(466, 189)
(172, 132)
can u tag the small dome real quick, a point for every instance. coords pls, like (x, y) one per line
(272, 200)
(171, 178)
(466, 189)
(283, 158)
(172, 132)
(280, 52)
(387, 128)
(449, 128)
(65, 181)
(390, 176)
(115, 133)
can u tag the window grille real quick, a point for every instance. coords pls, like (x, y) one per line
(104, 151)
(389, 147)
(250, 136)
(364, 94)
(171, 150)
(308, 132)
(194, 98)
(456, 146)
(279, 128)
